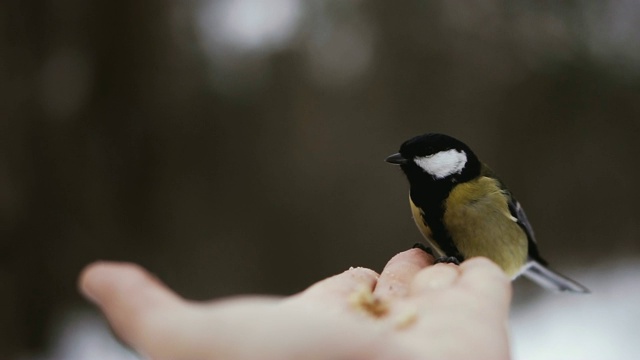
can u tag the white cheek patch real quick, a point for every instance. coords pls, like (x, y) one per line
(443, 164)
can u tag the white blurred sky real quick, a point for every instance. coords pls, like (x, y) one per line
(339, 40)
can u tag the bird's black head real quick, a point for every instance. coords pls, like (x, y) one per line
(436, 158)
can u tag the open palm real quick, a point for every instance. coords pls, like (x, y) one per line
(412, 310)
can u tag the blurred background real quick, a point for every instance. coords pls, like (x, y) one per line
(237, 146)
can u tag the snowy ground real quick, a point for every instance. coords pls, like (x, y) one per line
(602, 325)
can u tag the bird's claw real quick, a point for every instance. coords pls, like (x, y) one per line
(448, 260)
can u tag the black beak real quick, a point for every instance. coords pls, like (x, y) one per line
(396, 159)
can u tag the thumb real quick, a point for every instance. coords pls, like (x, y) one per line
(132, 299)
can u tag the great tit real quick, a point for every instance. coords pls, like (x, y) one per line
(463, 210)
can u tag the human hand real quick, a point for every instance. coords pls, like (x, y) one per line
(412, 310)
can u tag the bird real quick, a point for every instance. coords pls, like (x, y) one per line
(464, 210)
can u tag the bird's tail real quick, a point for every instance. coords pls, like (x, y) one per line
(550, 279)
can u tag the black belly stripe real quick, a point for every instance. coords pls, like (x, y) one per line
(432, 214)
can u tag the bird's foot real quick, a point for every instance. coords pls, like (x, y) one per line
(448, 260)
(442, 259)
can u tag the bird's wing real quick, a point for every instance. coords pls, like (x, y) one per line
(518, 212)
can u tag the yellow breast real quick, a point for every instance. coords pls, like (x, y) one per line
(483, 226)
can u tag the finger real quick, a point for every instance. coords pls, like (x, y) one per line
(436, 277)
(397, 275)
(487, 279)
(341, 285)
(132, 300)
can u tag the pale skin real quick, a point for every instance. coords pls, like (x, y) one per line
(412, 310)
